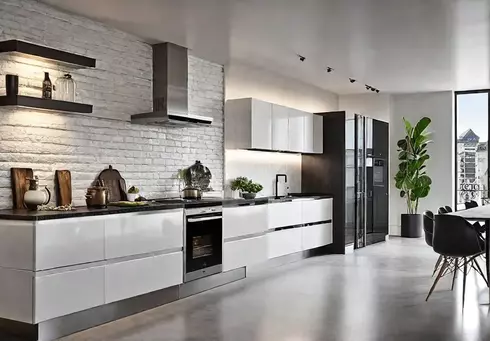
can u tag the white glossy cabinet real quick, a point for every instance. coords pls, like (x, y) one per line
(316, 235)
(317, 134)
(68, 292)
(248, 124)
(280, 127)
(244, 220)
(63, 242)
(244, 252)
(308, 133)
(137, 233)
(284, 242)
(140, 276)
(285, 214)
(296, 131)
(316, 210)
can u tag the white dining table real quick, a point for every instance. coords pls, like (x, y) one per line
(480, 213)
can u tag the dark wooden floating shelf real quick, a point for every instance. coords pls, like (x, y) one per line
(46, 53)
(45, 104)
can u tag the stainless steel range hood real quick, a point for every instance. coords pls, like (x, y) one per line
(170, 91)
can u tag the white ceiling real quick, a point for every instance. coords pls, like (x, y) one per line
(394, 45)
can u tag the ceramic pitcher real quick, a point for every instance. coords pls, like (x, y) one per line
(35, 196)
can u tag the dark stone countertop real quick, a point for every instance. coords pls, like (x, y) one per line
(82, 211)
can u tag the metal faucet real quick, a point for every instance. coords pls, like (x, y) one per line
(277, 181)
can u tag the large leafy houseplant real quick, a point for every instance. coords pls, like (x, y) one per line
(411, 178)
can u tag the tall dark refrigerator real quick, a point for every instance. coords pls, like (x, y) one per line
(354, 169)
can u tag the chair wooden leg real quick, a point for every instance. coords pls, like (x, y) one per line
(479, 270)
(439, 260)
(464, 278)
(439, 275)
(455, 273)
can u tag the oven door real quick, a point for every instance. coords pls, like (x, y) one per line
(203, 245)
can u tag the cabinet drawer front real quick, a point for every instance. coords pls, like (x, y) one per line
(140, 276)
(68, 292)
(317, 210)
(284, 214)
(280, 243)
(70, 241)
(249, 251)
(132, 234)
(244, 220)
(317, 235)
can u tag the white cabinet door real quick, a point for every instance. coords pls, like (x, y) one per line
(284, 242)
(285, 214)
(131, 234)
(317, 210)
(244, 220)
(244, 252)
(316, 235)
(261, 131)
(308, 144)
(296, 130)
(280, 127)
(317, 134)
(63, 242)
(68, 292)
(140, 276)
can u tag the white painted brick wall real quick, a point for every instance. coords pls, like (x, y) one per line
(147, 156)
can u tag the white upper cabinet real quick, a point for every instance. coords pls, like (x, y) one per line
(296, 130)
(261, 125)
(254, 124)
(248, 124)
(280, 127)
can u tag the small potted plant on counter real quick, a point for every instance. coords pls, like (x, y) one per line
(133, 193)
(248, 189)
(237, 185)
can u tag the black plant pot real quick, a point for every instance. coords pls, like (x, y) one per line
(412, 225)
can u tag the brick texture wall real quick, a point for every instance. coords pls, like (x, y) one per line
(120, 85)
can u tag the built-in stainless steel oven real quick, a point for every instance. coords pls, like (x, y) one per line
(203, 242)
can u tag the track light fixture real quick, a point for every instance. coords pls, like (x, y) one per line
(377, 91)
(301, 58)
(329, 69)
(352, 80)
(368, 87)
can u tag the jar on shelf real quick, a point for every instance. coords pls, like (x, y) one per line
(65, 88)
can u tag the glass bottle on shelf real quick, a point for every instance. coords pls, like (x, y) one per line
(47, 87)
(65, 88)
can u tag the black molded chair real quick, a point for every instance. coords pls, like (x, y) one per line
(428, 220)
(470, 204)
(455, 238)
(448, 209)
(442, 210)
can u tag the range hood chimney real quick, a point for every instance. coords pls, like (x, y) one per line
(170, 91)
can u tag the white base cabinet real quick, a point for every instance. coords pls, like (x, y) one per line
(284, 242)
(316, 235)
(244, 220)
(68, 292)
(140, 276)
(244, 252)
(314, 211)
(285, 214)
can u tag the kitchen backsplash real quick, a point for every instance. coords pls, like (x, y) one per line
(119, 86)
(262, 167)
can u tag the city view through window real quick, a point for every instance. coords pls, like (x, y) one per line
(472, 148)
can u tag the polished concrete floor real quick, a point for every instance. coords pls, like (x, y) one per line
(377, 293)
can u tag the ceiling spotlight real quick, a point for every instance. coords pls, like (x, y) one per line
(301, 58)
(352, 80)
(373, 89)
(329, 69)
(368, 87)
(377, 91)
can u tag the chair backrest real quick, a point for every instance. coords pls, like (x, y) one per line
(448, 209)
(455, 237)
(470, 204)
(442, 210)
(428, 227)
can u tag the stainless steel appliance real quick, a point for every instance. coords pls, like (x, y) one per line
(203, 242)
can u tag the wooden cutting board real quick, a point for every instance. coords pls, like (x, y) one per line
(18, 180)
(115, 183)
(63, 187)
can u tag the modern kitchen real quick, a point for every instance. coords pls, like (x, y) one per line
(133, 175)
